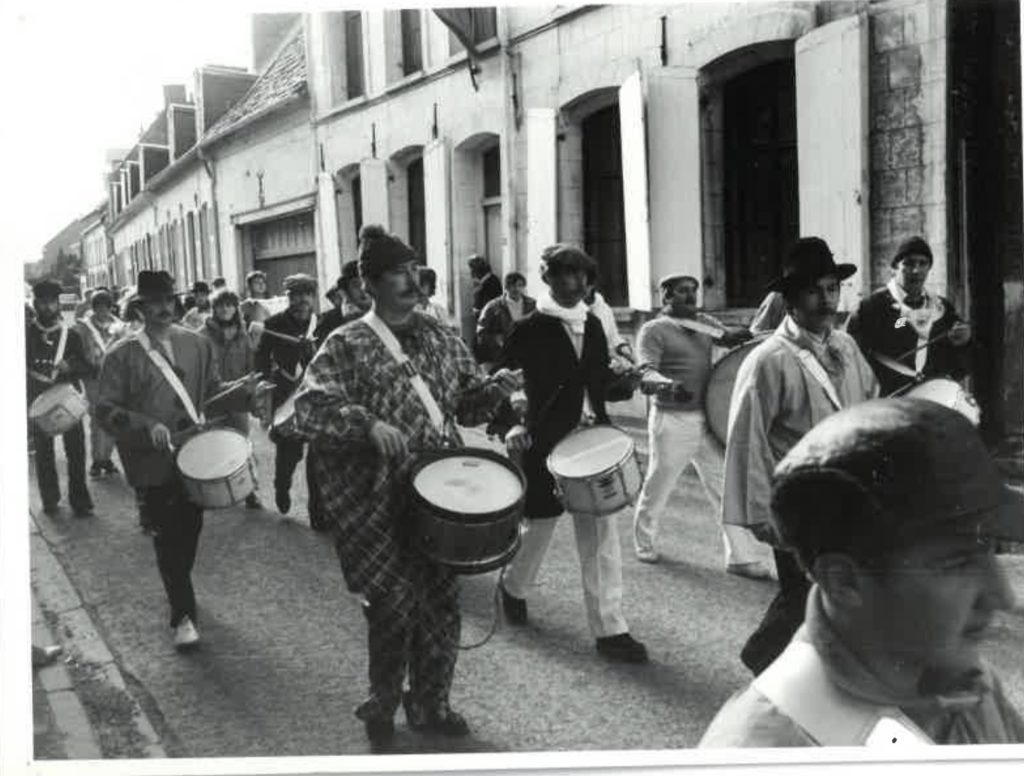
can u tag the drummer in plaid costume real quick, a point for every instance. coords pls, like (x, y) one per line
(47, 365)
(361, 412)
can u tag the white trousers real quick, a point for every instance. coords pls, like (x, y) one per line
(597, 544)
(675, 439)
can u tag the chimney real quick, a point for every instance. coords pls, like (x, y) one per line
(268, 31)
(174, 93)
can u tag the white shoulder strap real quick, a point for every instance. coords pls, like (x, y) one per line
(798, 685)
(59, 355)
(815, 369)
(389, 341)
(165, 369)
(299, 368)
(95, 334)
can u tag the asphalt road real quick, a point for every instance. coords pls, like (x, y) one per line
(283, 662)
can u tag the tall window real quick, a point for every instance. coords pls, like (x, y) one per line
(190, 245)
(483, 26)
(353, 54)
(491, 163)
(357, 202)
(412, 44)
(204, 247)
(417, 208)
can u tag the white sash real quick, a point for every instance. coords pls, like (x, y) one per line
(59, 356)
(95, 334)
(165, 369)
(815, 369)
(298, 367)
(797, 683)
(387, 338)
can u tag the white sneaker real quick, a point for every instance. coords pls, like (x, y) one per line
(185, 635)
(647, 555)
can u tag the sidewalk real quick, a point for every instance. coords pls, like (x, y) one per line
(82, 708)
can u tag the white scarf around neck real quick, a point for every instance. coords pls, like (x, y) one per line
(575, 317)
(922, 318)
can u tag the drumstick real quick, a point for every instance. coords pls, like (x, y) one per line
(285, 337)
(233, 386)
(922, 347)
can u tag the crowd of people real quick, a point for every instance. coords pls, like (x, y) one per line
(878, 516)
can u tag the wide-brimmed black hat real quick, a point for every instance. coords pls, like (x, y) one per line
(154, 283)
(808, 260)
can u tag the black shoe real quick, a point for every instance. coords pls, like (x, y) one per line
(622, 648)
(252, 501)
(283, 500)
(319, 524)
(514, 608)
(445, 722)
(381, 734)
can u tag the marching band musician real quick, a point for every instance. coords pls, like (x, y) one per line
(99, 328)
(562, 350)
(907, 332)
(363, 410)
(55, 354)
(152, 390)
(283, 360)
(803, 372)
(676, 348)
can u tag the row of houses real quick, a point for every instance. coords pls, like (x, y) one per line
(697, 137)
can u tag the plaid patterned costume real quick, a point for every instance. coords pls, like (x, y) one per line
(411, 603)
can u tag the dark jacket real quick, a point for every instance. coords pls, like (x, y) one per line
(278, 360)
(40, 351)
(876, 326)
(495, 324)
(555, 383)
(235, 356)
(330, 321)
(489, 289)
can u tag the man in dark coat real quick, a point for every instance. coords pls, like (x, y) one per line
(498, 316)
(283, 360)
(907, 332)
(54, 353)
(349, 302)
(486, 285)
(562, 350)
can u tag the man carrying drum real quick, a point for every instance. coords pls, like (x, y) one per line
(378, 388)
(99, 328)
(802, 373)
(907, 332)
(285, 348)
(151, 395)
(675, 349)
(562, 350)
(893, 508)
(55, 355)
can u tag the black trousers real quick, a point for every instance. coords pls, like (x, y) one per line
(784, 616)
(176, 523)
(46, 468)
(289, 453)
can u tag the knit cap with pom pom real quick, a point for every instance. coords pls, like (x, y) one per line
(380, 251)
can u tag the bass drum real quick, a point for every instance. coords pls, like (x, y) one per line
(718, 394)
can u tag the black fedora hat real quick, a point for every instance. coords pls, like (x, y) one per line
(155, 283)
(807, 260)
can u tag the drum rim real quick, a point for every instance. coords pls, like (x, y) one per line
(480, 566)
(65, 389)
(181, 449)
(424, 458)
(612, 467)
(752, 343)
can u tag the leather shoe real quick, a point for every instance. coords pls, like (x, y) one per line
(380, 731)
(622, 648)
(445, 722)
(283, 500)
(514, 608)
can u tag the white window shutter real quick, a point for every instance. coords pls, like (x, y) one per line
(542, 190)
(373, 184)
(832, 143)
(673, 135)
(634, 191)
(436, 200)
(328, 247)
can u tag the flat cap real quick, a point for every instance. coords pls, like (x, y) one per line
(299, 282)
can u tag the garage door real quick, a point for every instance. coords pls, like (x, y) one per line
(283, 247)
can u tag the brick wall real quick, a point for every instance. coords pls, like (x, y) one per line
(908, 131)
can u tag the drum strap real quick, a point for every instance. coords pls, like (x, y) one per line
(300, 367)
(814, 368)
(798, 684)
(390, 342)
(59, 355)
(162, 364)
(95, 334)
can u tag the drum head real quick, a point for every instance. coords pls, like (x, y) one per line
(718, 394)
(948, 393)
(589, 451)
(465, 482)
(213, 454)
(49, 399)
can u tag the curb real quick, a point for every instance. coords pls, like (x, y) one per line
(55, 597)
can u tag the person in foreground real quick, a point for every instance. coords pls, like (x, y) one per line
(380, 388)
(893, 508)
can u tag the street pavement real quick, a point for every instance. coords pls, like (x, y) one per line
(283, 662)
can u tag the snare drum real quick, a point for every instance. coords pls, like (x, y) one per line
(949, 393)
(216, 467)
(58, 409)
(467, 505)
(596, 470)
